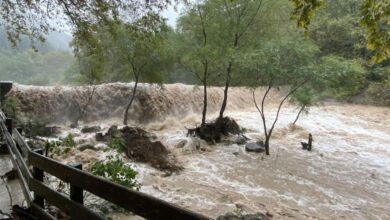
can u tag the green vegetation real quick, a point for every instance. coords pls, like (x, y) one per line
(342, 54)
(68, 141)
(115, 170)
(117, 144)
(24, 65)
(60, 147)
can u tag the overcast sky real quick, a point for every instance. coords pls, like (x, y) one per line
(172, 15)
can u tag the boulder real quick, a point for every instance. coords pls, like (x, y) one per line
(125, 133)
(91, 129)
(181, 144)
(256, 147)
(100, 137)
(232, 216)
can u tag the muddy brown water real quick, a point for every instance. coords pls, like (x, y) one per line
(346, 176)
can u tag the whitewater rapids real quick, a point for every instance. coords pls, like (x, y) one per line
(346, 176)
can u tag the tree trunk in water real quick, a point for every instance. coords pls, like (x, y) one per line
(299, 113)
(131, 102)
(225, 92)
(266, 144)
(204, 102)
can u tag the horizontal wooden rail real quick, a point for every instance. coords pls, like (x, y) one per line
(140, 203)
(40, 213)
(137, 202)
(71, 208)
(23, 146)
(12, 147)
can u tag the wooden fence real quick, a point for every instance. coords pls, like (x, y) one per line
(31, 166)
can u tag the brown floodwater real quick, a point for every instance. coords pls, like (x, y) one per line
(346, 176)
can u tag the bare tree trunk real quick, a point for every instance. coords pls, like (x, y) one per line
(82, 107)
(130, 102)
(225, 92)
(268, 133)
(204, 112)
(266, 144)
(299, 113)
(204, 104)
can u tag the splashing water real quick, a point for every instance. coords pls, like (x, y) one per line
(346, 175)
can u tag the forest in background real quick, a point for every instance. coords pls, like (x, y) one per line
(334, 44)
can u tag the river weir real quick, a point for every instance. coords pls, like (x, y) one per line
(345, 176)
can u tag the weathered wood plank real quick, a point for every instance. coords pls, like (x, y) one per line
(139, 203)
(40, 213)
(18, 157)
(22, 179)
(74, 209)
(21, 143)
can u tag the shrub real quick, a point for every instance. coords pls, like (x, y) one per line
(116, 171)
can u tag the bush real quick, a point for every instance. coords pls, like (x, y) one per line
(116, 171)
(68, 141)
(60, 147)
(117, 144)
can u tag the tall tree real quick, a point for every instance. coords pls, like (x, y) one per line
(238, 16)
(374, 19)
(284, 62)
(128, 52)
(197, 55)
(36, 18)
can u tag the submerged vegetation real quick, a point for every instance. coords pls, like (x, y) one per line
(115, 170)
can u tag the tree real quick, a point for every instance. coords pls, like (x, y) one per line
(237, 17)
(145, 57)
(196, 55)
(36, 18)
(375, 20)
(127, 52)
(284, 62)
(343, 78)
(304, 97)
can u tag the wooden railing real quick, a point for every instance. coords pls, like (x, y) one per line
(31, 167)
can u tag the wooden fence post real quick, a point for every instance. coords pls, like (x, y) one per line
(38, 175)
(9, 124)
(76, 193)
(3, 148)
(5, 87)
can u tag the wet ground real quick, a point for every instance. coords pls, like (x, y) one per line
(10, 191)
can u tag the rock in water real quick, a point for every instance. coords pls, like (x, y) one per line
(231, 216)
(257, 147)
(241, 139)
(90, 129)
(181, 144)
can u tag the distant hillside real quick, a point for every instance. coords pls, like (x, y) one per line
(55, 41)
(45, 67)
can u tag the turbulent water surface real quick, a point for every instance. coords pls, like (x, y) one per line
(346, 176)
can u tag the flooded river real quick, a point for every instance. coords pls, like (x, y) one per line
(346, 176)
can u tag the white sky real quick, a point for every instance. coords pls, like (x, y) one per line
(171, 14)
